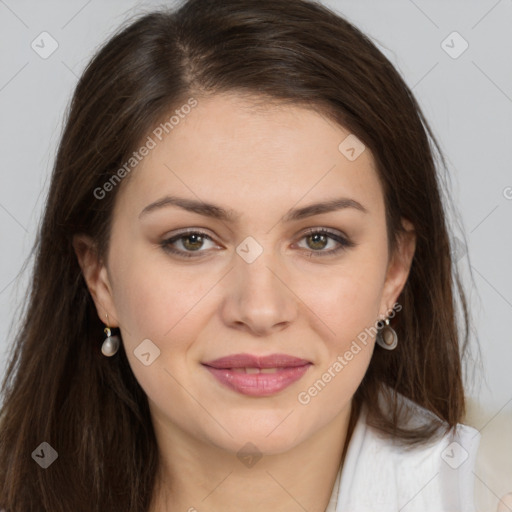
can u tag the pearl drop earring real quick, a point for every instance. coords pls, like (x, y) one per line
(111, 343)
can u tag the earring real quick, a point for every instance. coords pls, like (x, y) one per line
(111, 343)
(386, 336)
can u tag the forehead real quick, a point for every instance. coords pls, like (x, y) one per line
(244, 155)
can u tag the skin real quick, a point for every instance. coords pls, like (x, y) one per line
(259, 163)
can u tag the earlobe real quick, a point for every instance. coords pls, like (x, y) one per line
(96, 278)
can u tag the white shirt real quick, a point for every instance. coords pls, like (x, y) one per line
(380, 475)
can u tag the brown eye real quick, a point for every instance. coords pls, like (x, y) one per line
(318, 240)
(191, 242)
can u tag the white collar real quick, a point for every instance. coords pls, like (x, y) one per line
(379, 473)
(355, 441)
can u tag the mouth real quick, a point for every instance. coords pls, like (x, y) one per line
(257, 375)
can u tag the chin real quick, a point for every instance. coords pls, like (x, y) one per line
(269, 440)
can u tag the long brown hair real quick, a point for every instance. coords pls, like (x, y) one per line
(59, 388)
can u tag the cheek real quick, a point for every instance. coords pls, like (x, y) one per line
(349, 306)
(152, 297)
(350, 300)
(154, 304)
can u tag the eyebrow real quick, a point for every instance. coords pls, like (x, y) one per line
(220, 213)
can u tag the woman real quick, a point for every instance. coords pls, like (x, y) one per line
(245, 201)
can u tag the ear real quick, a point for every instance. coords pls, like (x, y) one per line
(398, 267)
(96, 278)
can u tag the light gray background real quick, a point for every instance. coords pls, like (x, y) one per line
(467, 100)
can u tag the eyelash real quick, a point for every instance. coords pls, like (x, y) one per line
(343, 242)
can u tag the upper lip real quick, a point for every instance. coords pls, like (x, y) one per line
(252, 361)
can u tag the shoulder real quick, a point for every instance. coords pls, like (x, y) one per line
(433, 476)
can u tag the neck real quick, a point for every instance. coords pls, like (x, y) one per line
(195, 476)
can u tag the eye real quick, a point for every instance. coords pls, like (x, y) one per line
(319, 239)
(190, 241)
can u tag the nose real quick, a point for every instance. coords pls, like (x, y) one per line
(259, 297)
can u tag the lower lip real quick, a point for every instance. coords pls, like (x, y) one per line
(259, 384)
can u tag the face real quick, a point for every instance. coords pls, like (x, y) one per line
(272, 278)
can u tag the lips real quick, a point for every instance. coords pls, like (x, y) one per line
(250, 361)
(257, 375)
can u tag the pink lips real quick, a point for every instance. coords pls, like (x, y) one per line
(257, 375)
